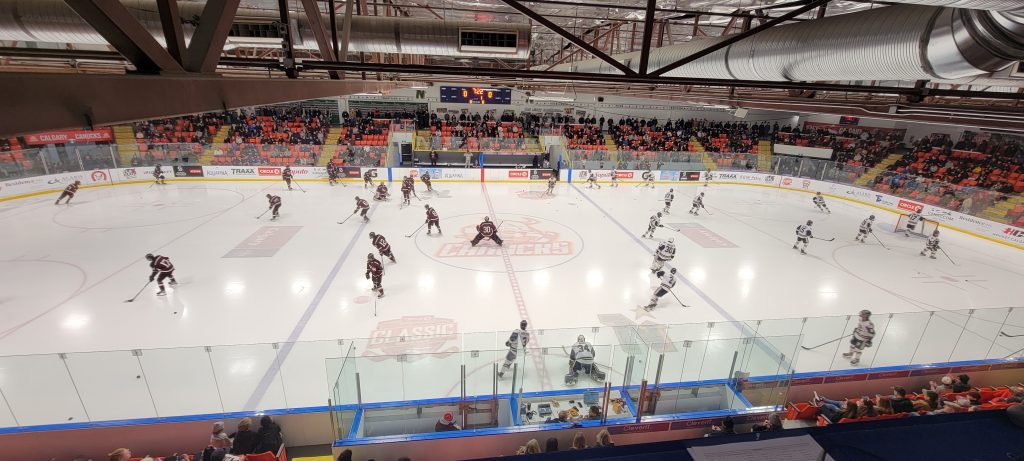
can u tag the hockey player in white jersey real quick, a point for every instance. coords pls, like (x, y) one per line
(649, 177)
(708, 177)
(865, 229)
(592, 180)
(666, 252)
(516, 344)
(819, 202)
(667, 280)
(551, 185)
(933, 244)
(581, 358)
(654, 223)
(803, 235)
(698, 203)
(861, 338)
(913, 219)
(669, 197)
(615, 178)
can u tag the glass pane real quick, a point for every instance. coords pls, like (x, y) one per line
(1010, 341)
(380, 378)
(40, 391)
(480, 371)
(721, 356)
(983, 327)
(305, 385)
(181, 381)
(897, 343)
(431, 376)
(248, 377)
(940, 336)
(111, 385)
(6, 416)
(823, 338)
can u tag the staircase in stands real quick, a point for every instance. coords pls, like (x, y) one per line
(764, 155)
(874, 171)
(330, 146)
(219, 137)
(696, 146)
(124, 136)
(613, 149)
(998, 211)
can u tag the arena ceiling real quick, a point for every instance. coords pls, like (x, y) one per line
(860, 57)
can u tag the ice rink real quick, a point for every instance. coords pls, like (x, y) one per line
(572, 260)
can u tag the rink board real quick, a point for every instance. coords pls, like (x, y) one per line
(978, 227)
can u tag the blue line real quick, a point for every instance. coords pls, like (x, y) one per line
(569, 180)
(286, 348)
(356, 421)
(746, 330)
(739, 395)
(629, 402)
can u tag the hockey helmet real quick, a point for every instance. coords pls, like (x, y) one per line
(522, 325)
(701, 194)
(659, 214)
(372, 235)
(487, 219)
(670, 190)
(150, 256)
(357, 197)
(673, 271)
(671, 240)
(810, 223)
(872, 217)
(426, 207)
(865, 313)
(268, 195)
(78, 182)
(581, 339)
(819, 193)
(936, 233)
(369, 256)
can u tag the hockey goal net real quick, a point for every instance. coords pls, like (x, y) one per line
(924, 228)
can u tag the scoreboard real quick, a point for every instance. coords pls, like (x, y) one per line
(476, 95)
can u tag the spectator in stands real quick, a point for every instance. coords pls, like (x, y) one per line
(961, 384)
(121, 454)
(867, 408)
(947, 408)
(446, 423)
(594, 413)
(727, 428)
(579, 442)
(946, 383)
(270, 436)
(531, 448)
(563, 416)
(899, 400)
(835, 410)
(219, 438)
(883, 405)
(345, 455)
(551, 445)
(433, 157)
(930, 402)
(773, 423)
(244, 441)
(603, 439)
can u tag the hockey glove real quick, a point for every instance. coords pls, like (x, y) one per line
(367, 276)
(867, 343)
(152, 277)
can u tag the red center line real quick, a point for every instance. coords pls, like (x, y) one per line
(517, 294)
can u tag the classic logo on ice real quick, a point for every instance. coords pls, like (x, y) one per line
(522, 236)
(420, 334)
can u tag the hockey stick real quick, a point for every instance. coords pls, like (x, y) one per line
(827, 240)
(1003, 333)
(417, 230)
(879, 241)
(947, 256)
(261, 214)
(825, 344)
(346, 219)
(706, 210)
(300, 187)
(139, 293)
(677, 298)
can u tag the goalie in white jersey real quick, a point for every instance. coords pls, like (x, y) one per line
(803, 235)
(654, 223)
(913, 219)
(667, 280)
(819, 202)
(551, 185)
(865, 229)
(933, 244)
(516, 343)
(698, 203)
(666, 252)
(861, 337)
(581, 358)
(669, 197)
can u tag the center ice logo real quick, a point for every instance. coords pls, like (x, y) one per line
(522, 237)
(420, 334)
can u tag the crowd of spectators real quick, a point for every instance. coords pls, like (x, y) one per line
(267, 439)
(987, 164)
(197, 129)
(579, 442)
(480, 132)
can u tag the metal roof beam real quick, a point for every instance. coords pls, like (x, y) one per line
(118, 27)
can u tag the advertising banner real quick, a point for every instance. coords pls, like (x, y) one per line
(63, 137)
(188, 171)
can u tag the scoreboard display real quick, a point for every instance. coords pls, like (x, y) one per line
(476, 95)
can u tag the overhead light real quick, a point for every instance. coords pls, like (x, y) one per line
(419, 87)
(369, 94)
(552, 98)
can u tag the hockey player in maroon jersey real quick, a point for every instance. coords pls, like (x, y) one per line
(158, 174)
(69, 192)
(367, 180)
(375, 272)
(332, 173)
(486, 230)
(382, 192)
(406, 190)
(362, 206)
(275, 205)
(382, 246)
(432, 219)
(426, 180)
(162, 269)
(286, 175)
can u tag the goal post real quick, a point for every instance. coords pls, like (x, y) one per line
(924, 227)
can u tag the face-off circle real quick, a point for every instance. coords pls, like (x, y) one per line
(532, 243)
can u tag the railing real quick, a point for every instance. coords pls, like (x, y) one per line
(674, 161)
(512, 145)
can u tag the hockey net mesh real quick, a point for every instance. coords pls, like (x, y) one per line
(925, 226)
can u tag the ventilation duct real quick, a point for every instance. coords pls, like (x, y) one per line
(54, 22)
(902, 42)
